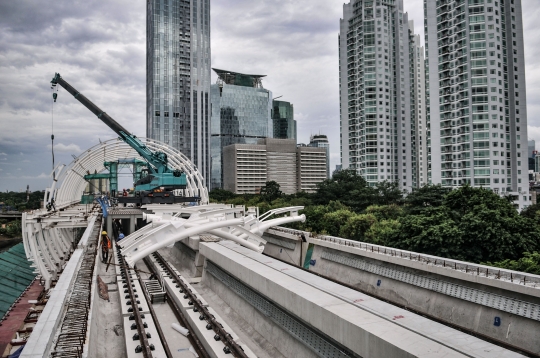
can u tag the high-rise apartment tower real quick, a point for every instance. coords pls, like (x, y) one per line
(477, 114)
(178, 77)
(417, 75)
(378, 135)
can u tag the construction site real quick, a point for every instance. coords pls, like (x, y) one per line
(162, 272)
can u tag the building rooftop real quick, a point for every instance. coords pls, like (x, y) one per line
(239, 79)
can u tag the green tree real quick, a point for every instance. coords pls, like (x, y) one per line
(356, 226)
(387, 193)
(270, 191)
(333, 221)
(315, 214)
(221, 195)
(530, 263)
(12, 229)
(472, 224)
(433, 233)
(347, 187)
(425, 197)
(531, 212)
(383, 232)
(385, 212)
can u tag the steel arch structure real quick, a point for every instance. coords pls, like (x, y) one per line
(69, 184)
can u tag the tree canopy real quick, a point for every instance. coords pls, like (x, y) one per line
(470, 224)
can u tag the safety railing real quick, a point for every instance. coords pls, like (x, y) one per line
(520, 278)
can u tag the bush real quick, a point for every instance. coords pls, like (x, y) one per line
(530, 263)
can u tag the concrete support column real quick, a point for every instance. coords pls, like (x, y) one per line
(132, 219)
(109, 226)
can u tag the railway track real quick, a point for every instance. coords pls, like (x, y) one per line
(140, 325)
(209, 334)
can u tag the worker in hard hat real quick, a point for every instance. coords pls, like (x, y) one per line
(105, 243)
(120, 236)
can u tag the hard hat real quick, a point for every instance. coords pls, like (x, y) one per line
(104, 233)
(121, 236)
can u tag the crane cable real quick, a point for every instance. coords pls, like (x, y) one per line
(54, 96)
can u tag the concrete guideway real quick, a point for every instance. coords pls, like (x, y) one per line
(368, 327)
(48, 326)
(501, 307)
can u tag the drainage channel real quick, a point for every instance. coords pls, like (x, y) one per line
(72, 336)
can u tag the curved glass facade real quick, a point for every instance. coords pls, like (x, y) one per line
(240, 115)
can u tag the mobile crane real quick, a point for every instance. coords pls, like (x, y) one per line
(159, 184)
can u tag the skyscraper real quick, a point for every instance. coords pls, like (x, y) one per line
(477, 115)
(283, 118)
(241, 114)
(377, 132)
(531, 153)
(417, 92)
(178, 77)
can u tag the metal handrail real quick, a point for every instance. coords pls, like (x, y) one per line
(516, 277)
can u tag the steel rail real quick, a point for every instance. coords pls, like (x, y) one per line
(153, 314)
(221, 334)
(195, 342)
(146, 351)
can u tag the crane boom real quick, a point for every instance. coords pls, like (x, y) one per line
(161, 178)
(157, 160)
(105, 118)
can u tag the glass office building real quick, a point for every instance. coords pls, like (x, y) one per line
(241, 114)
(283, 118)
(178, 77)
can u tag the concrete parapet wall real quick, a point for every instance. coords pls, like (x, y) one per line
(284, 247)
(188, 259)
(41, 340)
(498, 309)
(511, 329)
(332, 310)
(445, 267)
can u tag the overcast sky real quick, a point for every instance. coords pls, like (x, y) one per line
(99, 47)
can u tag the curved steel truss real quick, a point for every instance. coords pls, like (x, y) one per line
(69, 183)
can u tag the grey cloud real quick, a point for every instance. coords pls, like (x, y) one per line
(100, 48)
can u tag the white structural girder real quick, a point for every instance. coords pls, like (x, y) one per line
(223, 221)
(47, 244)
(173, 232)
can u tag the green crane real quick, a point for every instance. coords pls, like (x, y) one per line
(157, 185)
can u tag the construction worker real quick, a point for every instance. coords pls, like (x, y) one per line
(120, 236)
(105, 246)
